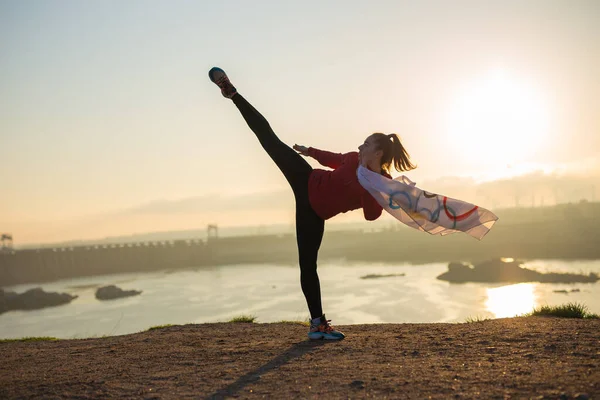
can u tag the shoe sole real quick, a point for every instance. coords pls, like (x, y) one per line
(213, 71)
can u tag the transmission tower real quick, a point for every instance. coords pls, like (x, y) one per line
(7, 242)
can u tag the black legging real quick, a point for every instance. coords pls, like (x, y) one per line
(309, 226)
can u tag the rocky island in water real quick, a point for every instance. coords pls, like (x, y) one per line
(32, 299)
(507, 270)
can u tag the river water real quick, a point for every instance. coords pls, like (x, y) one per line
(272, 293)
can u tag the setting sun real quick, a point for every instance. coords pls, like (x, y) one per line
(497, 119)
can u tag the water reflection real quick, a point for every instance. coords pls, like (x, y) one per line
(511, 300)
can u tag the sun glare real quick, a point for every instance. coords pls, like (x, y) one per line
(497, 120)
(512, 300)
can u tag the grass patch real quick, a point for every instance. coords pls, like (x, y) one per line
(160, 327)
(375, 276)
(30, 339)
(243, 318)
(303, 323)
(470, 320)
(569, 310)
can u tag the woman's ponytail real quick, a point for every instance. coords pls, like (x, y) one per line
(393, 150)
(400, 155)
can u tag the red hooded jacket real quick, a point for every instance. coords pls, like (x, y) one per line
(338, 191)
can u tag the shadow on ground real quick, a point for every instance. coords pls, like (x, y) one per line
(297, 350)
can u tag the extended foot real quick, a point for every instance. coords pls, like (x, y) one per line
(323, 330)
(219, 77)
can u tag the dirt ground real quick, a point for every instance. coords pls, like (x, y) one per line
(531, 357)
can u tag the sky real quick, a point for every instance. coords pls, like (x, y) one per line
(109, 124)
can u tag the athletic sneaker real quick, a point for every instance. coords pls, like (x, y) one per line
(322, 330)
(219, 77)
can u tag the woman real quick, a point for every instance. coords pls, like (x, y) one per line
(320, 194)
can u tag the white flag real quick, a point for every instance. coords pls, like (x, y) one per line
(429, 212)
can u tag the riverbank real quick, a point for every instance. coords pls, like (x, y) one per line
(522, 357)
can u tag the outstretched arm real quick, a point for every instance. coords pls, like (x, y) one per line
(326, 158)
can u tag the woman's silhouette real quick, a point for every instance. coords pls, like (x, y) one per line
(320, 194)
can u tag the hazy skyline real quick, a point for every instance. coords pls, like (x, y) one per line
(108, 121)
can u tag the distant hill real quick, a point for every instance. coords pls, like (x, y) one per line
(568, 213)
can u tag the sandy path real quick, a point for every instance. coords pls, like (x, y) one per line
(520, 357)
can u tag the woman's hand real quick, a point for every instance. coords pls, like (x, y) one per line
(301, 149)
